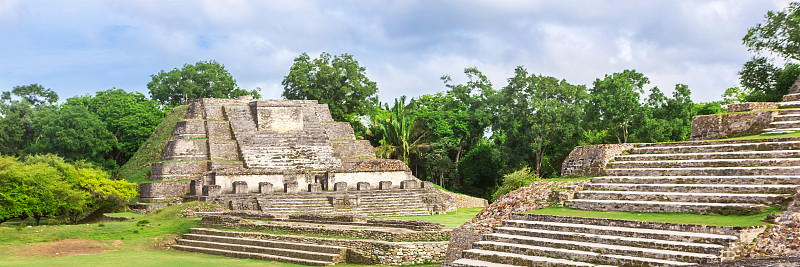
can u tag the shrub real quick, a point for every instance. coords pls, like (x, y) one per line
(515, 180)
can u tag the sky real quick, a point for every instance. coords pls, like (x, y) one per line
(81, 47)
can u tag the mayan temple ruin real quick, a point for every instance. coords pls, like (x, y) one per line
(282, 156)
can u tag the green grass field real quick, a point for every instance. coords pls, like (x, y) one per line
(763, 136)
(685, 218)
(135, 243)
(451, 219)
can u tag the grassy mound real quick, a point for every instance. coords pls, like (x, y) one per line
(137, 169)
(668, 217)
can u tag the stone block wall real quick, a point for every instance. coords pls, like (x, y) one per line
(339, 130)
(353, 149)
(189, 129)
(156, 192)
(177, 170)
(463, 201)
(751, 106)
(728, 125)
(586, 161)
(186, 149)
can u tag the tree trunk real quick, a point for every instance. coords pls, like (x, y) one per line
(38, 218)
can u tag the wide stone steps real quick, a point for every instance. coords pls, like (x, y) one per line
(788, 117)
(704, 163)
(790, 104)
(512, 259)
(528, 244)
(480, 263)
(716, 147)
(218, 243)
(768, 199)
(712, 155)
(787, 112)
(613, 228)
(779, 125)
(666, 206)
(706, 171)
(512, 233)
(751, 180)
(697, 188)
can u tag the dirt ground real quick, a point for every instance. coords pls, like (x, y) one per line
(62, 248)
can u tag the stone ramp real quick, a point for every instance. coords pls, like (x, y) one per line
(711, 177)
(221, 243)
(545, 240)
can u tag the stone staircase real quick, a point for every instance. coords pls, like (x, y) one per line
(403, 202)
(715, 177)
(228, 244)
(546, 240)
(788, 119)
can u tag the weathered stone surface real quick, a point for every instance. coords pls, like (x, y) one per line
(290, 188)
(240, 187)
(212, 190)
(340, 186)
(384, 185)
(162, 190)
(265, 188)
(315, 187)
(591, 160)
(363, 186)
(408, 184)
(751, 106)
(728, 125)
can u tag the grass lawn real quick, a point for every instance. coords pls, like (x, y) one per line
(763, 136)
(146, 258)
(125, 214)
(685, 218)
(451, 219)
(135, 243)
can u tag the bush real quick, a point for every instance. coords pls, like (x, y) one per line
(514, 181)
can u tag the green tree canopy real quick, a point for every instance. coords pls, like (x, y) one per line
(129, 116)
(34, 94)
(763, 82)
(73, 132)
(614, 103)
(779, 34)
(338, 81)
(203, 79)
(539, 117)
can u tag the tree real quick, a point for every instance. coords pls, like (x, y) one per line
(130, 117)
(73, 133)
(538, 118)
(34, 94)
(515, 180)
(396, 128)
(614, 103)
(203, 79)
(779, 34)
(480, 171)
(664, 119)
(337, 81)
(763, 82)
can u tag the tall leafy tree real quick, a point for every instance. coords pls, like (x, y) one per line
(34, 94)
(614, 103)
(18, 109)
(664, 119)
(480, 171)
(338, 81)
(75, 133)
(129, 116)
(538, 118)
(762, 81)
(202, 79)
(396, 128)
(779, 34)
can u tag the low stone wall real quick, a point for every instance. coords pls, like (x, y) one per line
(417, 225)
(586, 161)
(239, 223)
(464, 201)
(107, 218)
(728, 125)
(460, 240)
(155, 192)
(751, 106)
(367, 251)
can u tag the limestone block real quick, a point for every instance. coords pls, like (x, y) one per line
(384, 185)
(314, 187)
(189, 129)
(323, 112)
(195, 110)
(340, 186)
(751, 106)
(195, 187)
(361, 186)
(212, 190)
(791, 98)
(353, 149)
(265, 188)
(427, 185)
(183, 149)
(240, 187)
(279, 119)
(163, 190)
(219, 130)
(731, 124)
(591, 160)
(409, 184)
(339, 130)
(290, 187)
(223, 149)
(177, 170)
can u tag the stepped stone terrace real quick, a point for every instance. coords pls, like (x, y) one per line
(282, 156)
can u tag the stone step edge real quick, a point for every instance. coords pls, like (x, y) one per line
(666, 203)
(743, 161)
(613, 237)
(270, 242)
(704, 231)
(480, 263)
(684, 193)
(714, 142)
(223, 232)
(547, 260)
(706, 153)
(589, 246)
(792, 140)
(773, 186)
(703, 177)
(248, 255)
(709, 168)
(203, 244)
